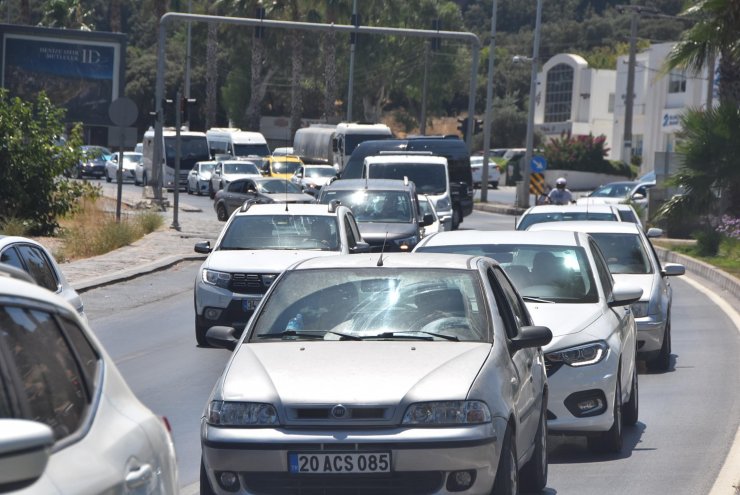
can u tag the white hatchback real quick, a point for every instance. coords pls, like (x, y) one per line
(566, 285)
(100, 438)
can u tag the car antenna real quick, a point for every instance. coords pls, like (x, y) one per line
(382, 250)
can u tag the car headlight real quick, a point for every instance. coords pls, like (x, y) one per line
(224, 413)
(447, 413)
(407, 243)
(582, 355)
(443, 204)
(219, 279)
(640, 309)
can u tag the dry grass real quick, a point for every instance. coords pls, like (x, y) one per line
(92, 229)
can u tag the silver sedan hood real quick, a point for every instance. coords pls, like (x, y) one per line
(564, 319)
(368, 372)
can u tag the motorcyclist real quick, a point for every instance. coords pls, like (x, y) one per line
(560, 195)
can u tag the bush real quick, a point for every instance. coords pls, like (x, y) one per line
(707, 242)
(583, 154)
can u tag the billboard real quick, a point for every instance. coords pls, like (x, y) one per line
(81, 71)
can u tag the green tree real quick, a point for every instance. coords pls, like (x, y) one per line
(34, 157)
(715, 34)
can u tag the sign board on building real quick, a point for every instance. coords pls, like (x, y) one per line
(670, 120)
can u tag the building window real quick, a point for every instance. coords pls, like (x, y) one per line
(677, 82)
(559, 93)
(610, 109)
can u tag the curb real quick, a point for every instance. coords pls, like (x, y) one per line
(134, 272)
(705, 271)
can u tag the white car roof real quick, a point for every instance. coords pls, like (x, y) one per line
(465, 237)
(411, 158)
(588, 227)
(10, 287)
(293, 209)
(391, 260)
(574, 208)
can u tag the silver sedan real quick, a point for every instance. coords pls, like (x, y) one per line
(397, 374)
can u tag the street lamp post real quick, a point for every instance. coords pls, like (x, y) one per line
(489, 104)
(523, 193)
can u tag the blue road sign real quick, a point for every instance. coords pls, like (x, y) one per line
(538, 164)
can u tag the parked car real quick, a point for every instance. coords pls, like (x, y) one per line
(566, 285)
(567, 213)
(387, 211)
(381, 375)
(33, 258)
(426, 207)
(99, 437)
(227, 171)
(257, 243)
(311, 178)
(128, 170)
(632, 259)
(199, 178)
(261, 190)
(494, 172)
(618, 192)
(92, 163)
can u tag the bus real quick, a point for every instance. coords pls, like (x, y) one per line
(193, 149)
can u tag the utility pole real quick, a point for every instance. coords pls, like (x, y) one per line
(187, 63)
(489, 104)
(352, 43)
(523, 193)
(423, 117)
(629, 97)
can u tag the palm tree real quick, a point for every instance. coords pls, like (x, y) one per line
(715, 34)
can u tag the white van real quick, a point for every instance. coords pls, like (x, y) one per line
(428, 172)
(348, 135)
(235, 142)
(193, 149)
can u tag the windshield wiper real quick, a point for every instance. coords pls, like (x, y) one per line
(312, 334)
(404, 335)
(536, 299)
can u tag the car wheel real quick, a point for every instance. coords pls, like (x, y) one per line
(197, 189)
(663, 361)
(611, 441)
(200, 334)
(533, 474)
(456, 218)
(205, 485)
(221, 212)
(211, 192)
(507, 474)
(107, 177)
(631, 409)
(145, 179)
(187, 189)
(494, 185)
(79, 173)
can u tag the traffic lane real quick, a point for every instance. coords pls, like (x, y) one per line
(147, 327)
(688, 415)
(481, 220)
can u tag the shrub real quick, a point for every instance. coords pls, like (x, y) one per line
(707, 242)
(149, 221)
(729, 226)
(584, 154)
(13, 225)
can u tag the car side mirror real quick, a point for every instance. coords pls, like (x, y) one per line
(222, 337)
(673, 270)
(360, 247)
(623, 295)
(428, 219)
(638, 196)
(27, 446)
(532, 336)
(203, 247)
(654, 232)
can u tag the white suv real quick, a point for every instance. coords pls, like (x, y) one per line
(257, 243)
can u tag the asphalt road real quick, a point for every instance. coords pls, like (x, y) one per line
(688, 415)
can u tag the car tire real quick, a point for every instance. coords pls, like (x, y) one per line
(107, 177)
(611, 441)
(533, 475)
(507, 474)
(79, 173)
(663, 361)
(200, 334)
(494, 185)
(205, 484)
(221, 212)
(145, 180)
(211, 192)
(187, 189)
(456, 218)
(631, 408)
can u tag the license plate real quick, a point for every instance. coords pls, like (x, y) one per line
(339, 462)
(249, 304)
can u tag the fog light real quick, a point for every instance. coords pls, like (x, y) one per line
(228, 480)
(459, 481)
(212, 313)
(586, 403)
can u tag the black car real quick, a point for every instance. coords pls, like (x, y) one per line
(92, 163)
(451, 147)
(387, 211)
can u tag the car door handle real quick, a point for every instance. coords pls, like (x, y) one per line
(139, 476)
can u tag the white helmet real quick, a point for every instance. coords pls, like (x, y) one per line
(561, 181)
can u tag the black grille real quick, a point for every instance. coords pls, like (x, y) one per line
(552, 367)
(400, 483)
(352, 413)
(247, 283)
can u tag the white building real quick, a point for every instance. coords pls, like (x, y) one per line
(571, 97)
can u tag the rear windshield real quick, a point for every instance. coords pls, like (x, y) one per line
(624, 253)
(374, 206)
(560, 216)
(251, 149)
(429, 178)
